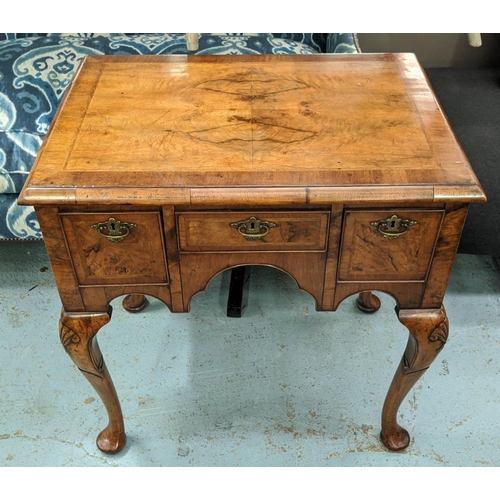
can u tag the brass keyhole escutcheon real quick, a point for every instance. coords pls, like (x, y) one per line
(253, 228)
(393, 227)
(114, 230)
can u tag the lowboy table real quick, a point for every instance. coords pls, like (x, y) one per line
(340, 170)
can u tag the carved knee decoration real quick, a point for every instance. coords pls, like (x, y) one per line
(428, 333)
(77, 332)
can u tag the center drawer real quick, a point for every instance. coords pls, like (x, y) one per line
(252, 231)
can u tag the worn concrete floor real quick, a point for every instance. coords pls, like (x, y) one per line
(282, 386)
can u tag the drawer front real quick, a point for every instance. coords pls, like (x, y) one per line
(252, 231)
(116, 248)
(388, 245)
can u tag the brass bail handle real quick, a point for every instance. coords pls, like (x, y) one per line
(114, 230)
(393, 227)
(253, 228)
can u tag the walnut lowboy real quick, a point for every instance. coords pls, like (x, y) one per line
(340, 170)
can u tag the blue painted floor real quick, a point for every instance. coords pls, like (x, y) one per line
(282, 386)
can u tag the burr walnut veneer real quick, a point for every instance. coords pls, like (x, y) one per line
(160, 172)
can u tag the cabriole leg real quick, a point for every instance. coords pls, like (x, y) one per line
(77, 333)
(428, 333)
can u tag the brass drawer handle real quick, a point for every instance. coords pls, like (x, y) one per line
(393, 227)
(114, 230)
(253, 228)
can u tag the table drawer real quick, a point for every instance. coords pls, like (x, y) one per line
(116, 248)
(394, 245)
(250, 231)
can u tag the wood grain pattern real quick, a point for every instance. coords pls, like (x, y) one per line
(60, 259)
(307, 269)
(173, 259)
(320, 146)
(139, 258)
(332, 257)
(368, 256)
(213, 232)
(153, 123)
(444, 255)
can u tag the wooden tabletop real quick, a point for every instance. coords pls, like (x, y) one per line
(247, 129)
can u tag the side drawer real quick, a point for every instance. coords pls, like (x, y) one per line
(252, 231)
(100, 256)
(382, 246)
